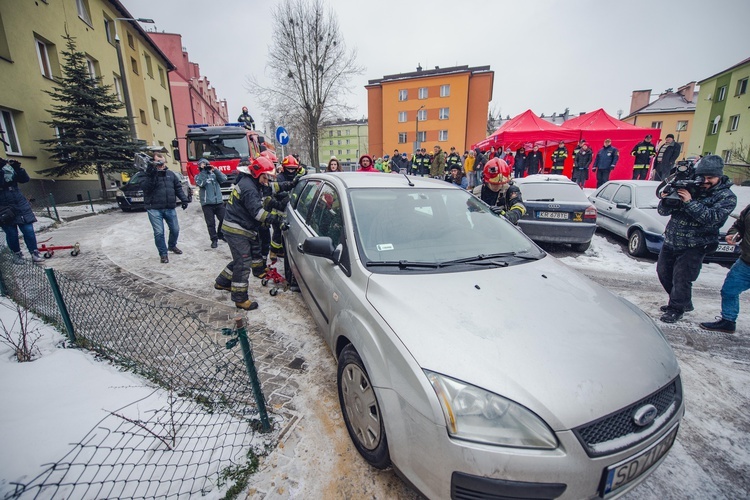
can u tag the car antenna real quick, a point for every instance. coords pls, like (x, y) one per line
(411, 184)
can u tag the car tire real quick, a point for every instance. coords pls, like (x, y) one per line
(636, 243)
(126, 209)
(361, 410)
(580, 247)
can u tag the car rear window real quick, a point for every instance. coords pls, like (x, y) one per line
(550, 191)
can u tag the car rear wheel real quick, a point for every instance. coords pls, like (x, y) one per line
(580, 247)
(361, 410)
(636, 243)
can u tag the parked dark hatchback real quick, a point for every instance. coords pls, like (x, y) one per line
(557, 211)
(130, 196)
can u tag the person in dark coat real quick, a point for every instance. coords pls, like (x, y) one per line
(666, 158)
(691, 233)
(161, 190)
(246, 119)
(606, 159)
(581, 163)
(643, 152)
(209, 181)
(519, 166)
(534, 161)
(22, 217)
(558, 158)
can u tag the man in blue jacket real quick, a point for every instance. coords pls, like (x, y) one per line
(209, 181)
(605, 162)
(161, 190)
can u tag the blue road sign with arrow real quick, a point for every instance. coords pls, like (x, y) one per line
(282, 136)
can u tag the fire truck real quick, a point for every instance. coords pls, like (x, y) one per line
(224, 146)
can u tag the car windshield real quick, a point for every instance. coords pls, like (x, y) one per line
(432, 228)
(136, 178)
(646, 197)
(552, 191)
(215, 147)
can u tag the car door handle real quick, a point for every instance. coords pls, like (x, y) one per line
(299, 248)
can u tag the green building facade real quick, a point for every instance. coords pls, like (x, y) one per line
(344, 139)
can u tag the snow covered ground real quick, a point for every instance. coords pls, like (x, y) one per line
(42, 412)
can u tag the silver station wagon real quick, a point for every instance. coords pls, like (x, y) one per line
(469, 360)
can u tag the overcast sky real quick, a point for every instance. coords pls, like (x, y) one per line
(546, 54)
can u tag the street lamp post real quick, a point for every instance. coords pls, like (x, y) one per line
(123, 75)
(416, 138)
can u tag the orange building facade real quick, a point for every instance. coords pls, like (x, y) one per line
(446, 107)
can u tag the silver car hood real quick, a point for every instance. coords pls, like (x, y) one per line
(537, 333)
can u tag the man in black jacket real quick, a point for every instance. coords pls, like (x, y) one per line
(558, 158)
(535, 161)
(605, 162)
(666, 158)
(161, 190)
(643, 152)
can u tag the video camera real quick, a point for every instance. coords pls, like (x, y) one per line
(12, 163)
(682, 177)
(142, 161)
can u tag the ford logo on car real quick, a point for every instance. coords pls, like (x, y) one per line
(553, 205)
(645, 415)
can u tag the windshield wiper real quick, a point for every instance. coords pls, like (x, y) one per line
(402, 264)
(488, 259)
(543, 199)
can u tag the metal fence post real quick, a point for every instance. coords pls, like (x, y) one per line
(60, 303)
(52, 204)
(260, 400)
(91, 202)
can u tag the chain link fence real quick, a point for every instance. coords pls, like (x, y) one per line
(194, 435)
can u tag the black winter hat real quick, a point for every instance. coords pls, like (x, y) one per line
(711, 165)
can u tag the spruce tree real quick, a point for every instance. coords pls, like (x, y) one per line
(91, 137)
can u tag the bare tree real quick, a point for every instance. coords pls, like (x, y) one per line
(494, 119)
(740, 152)
(310, 68)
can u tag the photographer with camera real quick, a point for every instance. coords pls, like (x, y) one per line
(702, 204)
(209, 181)
(161, 190)
(15, 210)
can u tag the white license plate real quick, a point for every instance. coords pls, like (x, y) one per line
(136, 199)
(618, 475)
(552, 215)
(727, 248)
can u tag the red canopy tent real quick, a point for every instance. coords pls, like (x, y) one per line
(527, 128)
(597, 126)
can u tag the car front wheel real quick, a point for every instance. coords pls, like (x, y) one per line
(361, 410)
(636, 243)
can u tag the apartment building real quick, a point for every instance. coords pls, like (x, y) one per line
(347, 140)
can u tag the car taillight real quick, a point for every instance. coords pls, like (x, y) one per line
(590, 213)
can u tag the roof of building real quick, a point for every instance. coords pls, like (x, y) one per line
(422, 73)
(669, 102)
(120, 7)
(343, 122)
(741, 63)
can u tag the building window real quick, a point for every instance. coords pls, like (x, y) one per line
(338, 133)
(348, 151)
(143, 117)
(131, 42)
(134, 65)
(155, 109)
(444, 113)
(339, 151)
(149, 68)
(109, 29)
(8, 133)
(338, 143)
(347, 132)
(83, 11)
(347, 141)
(402, 116)
(715, 127)
(330, 143)
(167, 116)
(422, 137)
(118, 87)
(734, 123)
(402, 137)
(42, 52)
(727, 155)
(656, 124)
(445, 90)
(682, 126)
(162, 78)
(91, 65)
(442, 135)
(422, 115)
(4, 47)
(423, 93)
(741, 87)
(330, 134)
(403, 95)
(722, 93)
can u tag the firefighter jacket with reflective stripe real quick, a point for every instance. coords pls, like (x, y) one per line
(643, 152)
(558, 157)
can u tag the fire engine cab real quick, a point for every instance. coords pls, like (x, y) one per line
(224, 146)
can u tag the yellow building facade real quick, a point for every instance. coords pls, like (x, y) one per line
(31, 47)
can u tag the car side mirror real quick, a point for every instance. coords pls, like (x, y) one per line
(623, 206)
(176, 154)
(322, 246)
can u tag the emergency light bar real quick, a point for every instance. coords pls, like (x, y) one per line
(201, 125)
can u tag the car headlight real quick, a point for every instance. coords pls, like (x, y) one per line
(474, 414)
(119, 194)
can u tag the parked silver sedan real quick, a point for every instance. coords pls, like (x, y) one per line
(468, 359)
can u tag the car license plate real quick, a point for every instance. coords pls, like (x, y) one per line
(727, 248)
(618, 475)
(552, 215)
(136, 199)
